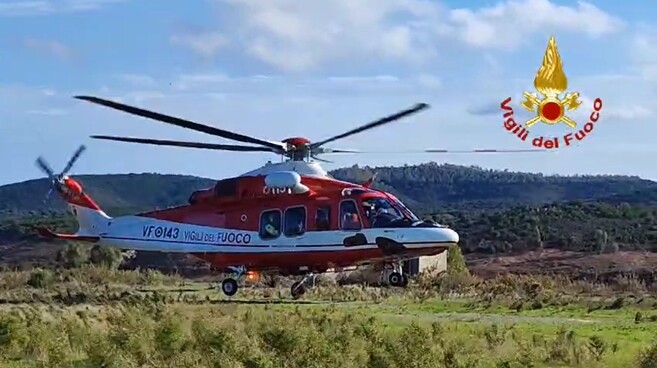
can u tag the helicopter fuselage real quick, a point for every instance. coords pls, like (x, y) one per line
(243, 221)
(273, 219)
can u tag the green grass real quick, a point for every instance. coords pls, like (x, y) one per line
(244, 335)
(95, 317)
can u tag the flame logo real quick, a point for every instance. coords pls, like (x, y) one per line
(550, 79)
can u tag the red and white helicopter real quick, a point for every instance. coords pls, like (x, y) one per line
(291, 217)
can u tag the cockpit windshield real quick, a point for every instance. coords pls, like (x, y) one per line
(406, 210)
(381, 212)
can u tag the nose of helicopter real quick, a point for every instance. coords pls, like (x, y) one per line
(447, 235)
(433, 236)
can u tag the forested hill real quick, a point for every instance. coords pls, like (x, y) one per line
(432, 187)
(426, 188)
(493, 211)
(114, 193)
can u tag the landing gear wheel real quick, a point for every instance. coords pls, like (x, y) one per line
(404, 282)
(229, 287)
(298, 289)
(396, 279)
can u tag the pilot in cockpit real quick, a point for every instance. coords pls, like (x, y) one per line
(380, 213)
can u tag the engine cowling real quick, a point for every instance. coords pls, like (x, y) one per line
(286, 180)
(73, 186)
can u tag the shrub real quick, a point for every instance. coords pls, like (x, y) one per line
(648, 357)
(105, 256)
(40, 279)
(456, 262)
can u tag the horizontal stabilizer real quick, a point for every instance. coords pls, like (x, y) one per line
(47, 233)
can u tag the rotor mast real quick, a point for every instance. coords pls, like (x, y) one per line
(297, 149)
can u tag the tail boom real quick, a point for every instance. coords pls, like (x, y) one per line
(92, 220)
(47, 233)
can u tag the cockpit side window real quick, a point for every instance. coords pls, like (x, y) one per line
(349, 218)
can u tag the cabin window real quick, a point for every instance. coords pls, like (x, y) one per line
(270, 224)
(225, 188)
(295, 221)
(323, 218)
(349, 219)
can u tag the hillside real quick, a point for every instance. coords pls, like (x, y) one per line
(425, 188)
(115, 193)
(432, 187)
(496, 212)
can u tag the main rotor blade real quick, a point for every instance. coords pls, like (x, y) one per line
(374, 124)
(483, 150)
(162, 142)
(321, 150)
(43, 165)
(74, 158)
(279, 147)
(441, 151)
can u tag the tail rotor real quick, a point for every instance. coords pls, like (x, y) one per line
(57, 180)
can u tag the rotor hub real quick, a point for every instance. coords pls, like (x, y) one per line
(296, 141)
(298, 148)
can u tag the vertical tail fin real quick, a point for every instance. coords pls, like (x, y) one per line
(91, 218)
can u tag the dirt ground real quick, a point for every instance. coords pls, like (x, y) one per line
(547, 261)
(575, 264)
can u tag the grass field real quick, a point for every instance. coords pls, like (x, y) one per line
(95, 317)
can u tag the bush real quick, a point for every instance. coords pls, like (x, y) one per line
(648, 357)
(456, 262)
(105, 256)
(40, 279)
(73, 256)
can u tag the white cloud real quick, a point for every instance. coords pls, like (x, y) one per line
(298, 36)
(136, 97)
(631, 113)
(613, 109)
(192, 81)
(644, 52)
(508, 24)
(483, 109)
(138, 80)
(40, 7)
(333, 85)
(205, 44)
(47, 112)
(304, 35)
(50, 47)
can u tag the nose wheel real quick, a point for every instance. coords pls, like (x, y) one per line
(394, 275)
(398, 279)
